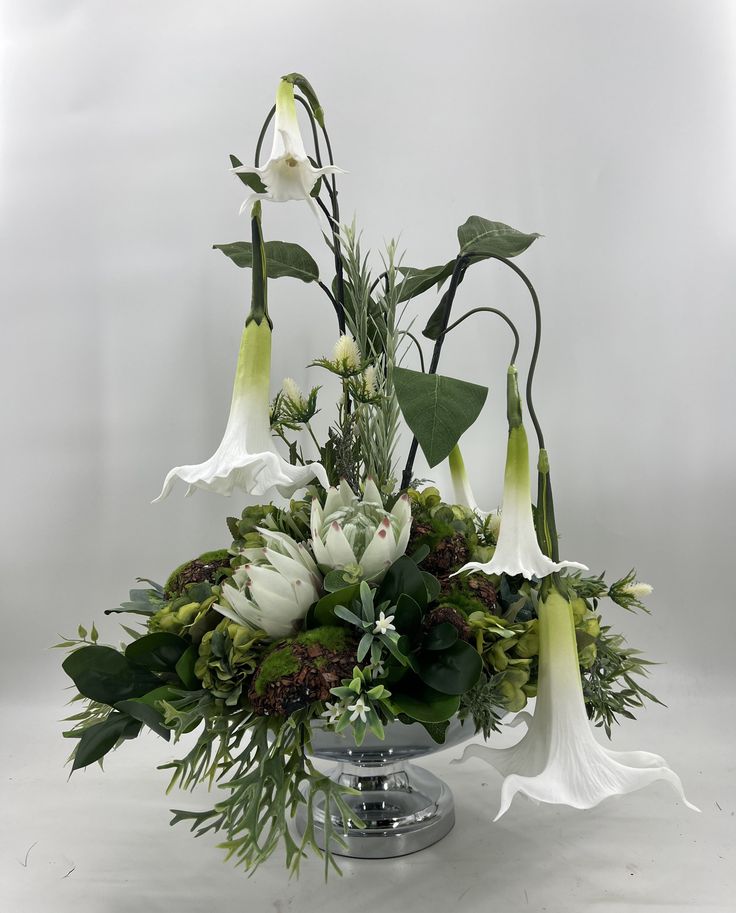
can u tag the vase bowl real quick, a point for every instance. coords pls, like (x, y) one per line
(404, 808)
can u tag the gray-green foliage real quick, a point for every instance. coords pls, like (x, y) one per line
(372, 319)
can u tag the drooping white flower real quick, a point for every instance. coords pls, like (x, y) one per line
(558, 760)
(247, 457)
(350, 533)
(462, 490)
(359, 709)
(517, 551)
(288, 174)
(383, 624)
(275, 588)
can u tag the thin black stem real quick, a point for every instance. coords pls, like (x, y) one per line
(335, 226)
(535, 350)
(329, 294)
(262, 135)
(417, 344)
(458, 271)
(501, 314)
(382, 276)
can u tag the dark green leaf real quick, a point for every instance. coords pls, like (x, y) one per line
(440, 637)
(185, 668)
(433, 586)
(97, 740)
(480, 238)
(159, 652)
(403, 577)
(425, 704)
(437, 731)
(105, 675)
(451, 671)
(145, 713)
(437, 409)
(282, 259)
(417, 281)
(323, 611)
(407, 616)
(437, 320)
(249, 178)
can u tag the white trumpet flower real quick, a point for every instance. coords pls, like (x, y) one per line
(558, 760)
(288, 174)
(275, 588)
(461, 488)
(517, 551)
(247, 457)
(349, 534)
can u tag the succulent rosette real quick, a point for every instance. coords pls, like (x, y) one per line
(358, 535)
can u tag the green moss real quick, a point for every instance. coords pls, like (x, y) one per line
(194, 570)
(330, 637)
(276, 665)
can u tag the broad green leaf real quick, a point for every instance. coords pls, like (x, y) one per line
(437, 319)
(480, 238)
(105, 675)
(282, 259)
(440, 637)
(426, 705)
(323, 611)
(185, 668)
(145, 713)
(159, 652)
(418, 281)
(97, 740)
(451, 671)
(402, 578)
(407, 616)
(437, 409)
(437, 731)
(249, 178)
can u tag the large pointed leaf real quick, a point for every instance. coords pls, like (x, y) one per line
(159, 652)
(451, 671)
(249, 178)
(424, 704)
(417, 281)
(97, 740)
(282, 259)
(480, 238)
(437, 409)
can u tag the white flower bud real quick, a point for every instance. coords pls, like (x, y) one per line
(346, 353)
(637, 590)
(292, 393)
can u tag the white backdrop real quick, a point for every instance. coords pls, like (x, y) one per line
(607, 127)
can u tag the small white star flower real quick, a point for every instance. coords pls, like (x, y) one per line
(332, 713)
(383, 625)
(358, 709)
(378, 670)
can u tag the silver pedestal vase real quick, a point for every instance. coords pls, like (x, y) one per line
(405, 808)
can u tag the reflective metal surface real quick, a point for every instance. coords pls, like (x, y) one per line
(404, 807)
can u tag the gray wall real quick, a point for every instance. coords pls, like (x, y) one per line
(607, 127)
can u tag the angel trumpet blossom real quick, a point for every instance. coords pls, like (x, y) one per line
(288, 174)
(461, 488)
(558, 760)
(247, 458)
(517, 551)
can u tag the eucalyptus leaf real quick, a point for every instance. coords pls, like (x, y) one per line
(105, 675)
(438, 409)
(440, 637)
(184, 668)
(159, 652)
(282, 259)
(481, 238)
(403, 577)
(145, 713)
(97, 740)
(407, 616)
(426, 705)
(452, 671)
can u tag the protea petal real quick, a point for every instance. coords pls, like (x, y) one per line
(339, 548)
(379, 555)
(558, 760)
(247, 457)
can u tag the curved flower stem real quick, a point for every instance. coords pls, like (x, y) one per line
(502, 315)
(262, 136)
(417, 344)
(383, 275)
(535, 351)
(458, 271)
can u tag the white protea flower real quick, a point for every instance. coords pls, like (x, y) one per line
(517, 551)
(275, 588)
(558, 760)
(247, 457)
(351, 533)
(288, 174)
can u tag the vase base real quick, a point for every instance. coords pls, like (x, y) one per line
(405, 809)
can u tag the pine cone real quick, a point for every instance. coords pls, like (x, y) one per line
(447, 556)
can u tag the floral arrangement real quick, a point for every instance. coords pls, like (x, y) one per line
(370, 599)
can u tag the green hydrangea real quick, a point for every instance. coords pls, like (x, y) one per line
(228, 657)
